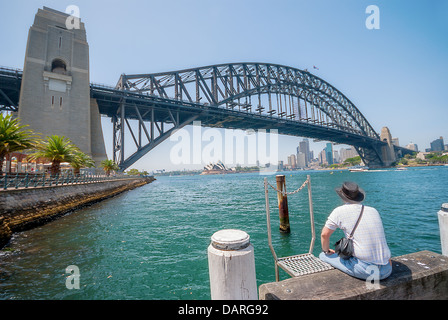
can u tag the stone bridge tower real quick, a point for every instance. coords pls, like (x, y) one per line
(387, 151)
(55, 91)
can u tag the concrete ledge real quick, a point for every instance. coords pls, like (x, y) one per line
(420, 275)
(23, 209)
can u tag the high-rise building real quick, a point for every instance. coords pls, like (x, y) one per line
(292, 162)
(412, 146)
(322, 157)
(329, 153)
(346, 153)
(336, 156)
(301, 160)
(280, 165)
(304, 147)
(437, 145)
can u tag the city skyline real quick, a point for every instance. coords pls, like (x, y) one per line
(380, 75)
(338, 156)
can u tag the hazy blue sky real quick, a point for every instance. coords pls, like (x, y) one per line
(397, 76)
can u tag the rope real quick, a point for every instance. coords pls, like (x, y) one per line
(289, 193)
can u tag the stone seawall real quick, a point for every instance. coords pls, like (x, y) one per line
(23, 209)
(416, 276)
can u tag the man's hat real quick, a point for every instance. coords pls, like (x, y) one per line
(350, 192)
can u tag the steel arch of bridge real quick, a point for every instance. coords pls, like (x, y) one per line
(269, 90)
(234, 85)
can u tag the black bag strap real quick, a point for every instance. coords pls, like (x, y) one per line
(357, 222)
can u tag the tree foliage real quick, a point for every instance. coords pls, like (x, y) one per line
(14, 137)
(58, 149)
(353, 161)
(109, 165)
(81, 160)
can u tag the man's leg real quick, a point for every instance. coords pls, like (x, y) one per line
(349, 266)
(337, 262)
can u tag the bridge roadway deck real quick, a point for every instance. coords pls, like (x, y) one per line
(109, 101)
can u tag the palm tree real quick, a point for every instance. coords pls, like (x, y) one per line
(56, 149)
(81, 160)
(13, 137)
(109, 165)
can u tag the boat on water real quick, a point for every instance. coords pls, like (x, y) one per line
(402, 169)
(358, 169)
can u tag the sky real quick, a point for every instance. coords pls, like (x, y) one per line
(396, 75)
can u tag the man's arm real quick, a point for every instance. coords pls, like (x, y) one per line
(325, 240)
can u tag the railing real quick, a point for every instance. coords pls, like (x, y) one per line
(3, 68)
(301, 264)
(30, 180)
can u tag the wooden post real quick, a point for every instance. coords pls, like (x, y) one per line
(282, 204)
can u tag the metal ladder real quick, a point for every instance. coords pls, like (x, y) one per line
(302, 264)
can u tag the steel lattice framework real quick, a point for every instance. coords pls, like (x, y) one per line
(295, 101)
(10, 82)
(149, 107)
(261, 88)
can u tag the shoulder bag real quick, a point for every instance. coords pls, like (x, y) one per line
(344, 247)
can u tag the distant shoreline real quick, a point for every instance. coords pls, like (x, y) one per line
(217, 172)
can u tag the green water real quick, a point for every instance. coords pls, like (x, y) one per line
(151, 242)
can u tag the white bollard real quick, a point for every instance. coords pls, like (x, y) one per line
(443, 225)
(231, 264)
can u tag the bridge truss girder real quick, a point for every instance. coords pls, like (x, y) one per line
(157, 117)
(295, 102)
(10, 83)
(279, 91)
(147, 135)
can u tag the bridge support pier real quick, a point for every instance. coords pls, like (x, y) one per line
(55, 88)
(371, 156)
(382, 155)
(387, 151)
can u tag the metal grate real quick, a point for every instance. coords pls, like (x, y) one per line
(303, 264)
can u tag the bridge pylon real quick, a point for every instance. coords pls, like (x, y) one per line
(55, 88)
(388, 154)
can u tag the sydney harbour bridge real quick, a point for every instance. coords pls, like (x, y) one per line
(246, 95)
(232, 96)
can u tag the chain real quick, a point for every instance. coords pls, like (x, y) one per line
(289, 193)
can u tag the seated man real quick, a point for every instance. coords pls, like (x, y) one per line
(371, 252)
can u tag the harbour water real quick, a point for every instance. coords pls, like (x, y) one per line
(151, 242)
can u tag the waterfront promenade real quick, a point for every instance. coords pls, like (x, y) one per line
(27, 180)
(27, 202)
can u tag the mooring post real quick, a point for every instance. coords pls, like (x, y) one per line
(231, 264)
(443, 225)
(282, 204)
